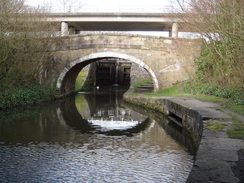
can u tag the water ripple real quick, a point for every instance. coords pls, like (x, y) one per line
(54, 153)
(106, 161)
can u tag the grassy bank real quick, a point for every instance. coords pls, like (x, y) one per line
(141, 81)
(237, 130)
(26, 95)
(178, 91)
(80, 80)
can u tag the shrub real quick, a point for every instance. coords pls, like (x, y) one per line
(234, 94)
(27, 95)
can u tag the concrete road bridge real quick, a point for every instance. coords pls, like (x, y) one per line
(73, 23)
(167, 60)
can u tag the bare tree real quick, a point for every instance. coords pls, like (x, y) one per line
(24, 43)
(69, 6)
(221, 23)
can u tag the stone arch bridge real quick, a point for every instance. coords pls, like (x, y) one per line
(167, 60)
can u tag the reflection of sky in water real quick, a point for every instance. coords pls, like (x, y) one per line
(111, 116)
(114, 125)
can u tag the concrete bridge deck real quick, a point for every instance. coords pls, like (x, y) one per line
(71, 23)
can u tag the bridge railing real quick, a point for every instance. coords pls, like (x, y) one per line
(147, 9)
(118, 9)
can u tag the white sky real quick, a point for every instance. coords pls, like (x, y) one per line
(103, 5)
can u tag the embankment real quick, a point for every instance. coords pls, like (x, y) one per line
(217, 154)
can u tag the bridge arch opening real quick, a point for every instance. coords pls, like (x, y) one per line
(67, 78)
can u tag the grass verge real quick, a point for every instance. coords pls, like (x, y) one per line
(237, 130)
(215, 127)
(177, 91)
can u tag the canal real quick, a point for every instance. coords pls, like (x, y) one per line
(92, 137)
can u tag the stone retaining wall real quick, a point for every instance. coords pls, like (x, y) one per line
(190, 119)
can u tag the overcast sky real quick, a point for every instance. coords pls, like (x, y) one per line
(103, 5)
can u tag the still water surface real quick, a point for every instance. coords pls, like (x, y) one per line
(91, 137)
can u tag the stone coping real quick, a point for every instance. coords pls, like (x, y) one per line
(216, 153)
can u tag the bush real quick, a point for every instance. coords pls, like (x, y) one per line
(220, 65)
(29, 95)
(235, 94)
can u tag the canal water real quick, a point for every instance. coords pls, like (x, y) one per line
(92, 137)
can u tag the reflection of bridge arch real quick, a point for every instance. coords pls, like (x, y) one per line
(66, 80)
(80, 123)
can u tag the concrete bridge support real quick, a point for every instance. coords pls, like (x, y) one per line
(64, 29)
(67, 30)
(174, 31)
